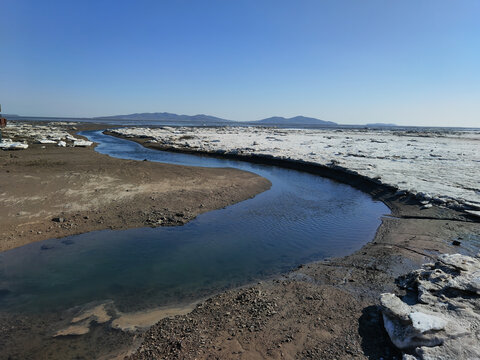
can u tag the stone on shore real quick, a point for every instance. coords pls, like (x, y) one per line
(442, 319)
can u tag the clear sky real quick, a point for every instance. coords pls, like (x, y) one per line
(410, 62)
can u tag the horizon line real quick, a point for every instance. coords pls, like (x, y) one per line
(238, 121)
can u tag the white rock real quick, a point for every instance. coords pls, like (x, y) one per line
(466, 282)
(444, 323)
(45, 141)
(473, 212)
(461, 262)
(82, 143)
(406, 337)
(424, 322)
(8, 144)
(61, 143)
(395, 307)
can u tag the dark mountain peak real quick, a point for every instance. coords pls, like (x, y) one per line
(204, 119)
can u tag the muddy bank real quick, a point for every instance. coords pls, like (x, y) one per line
(48, 191)
(327, 309)
(322, 310)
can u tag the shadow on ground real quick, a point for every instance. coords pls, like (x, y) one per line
(375, 341)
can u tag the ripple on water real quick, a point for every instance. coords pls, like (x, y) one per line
(302, 218)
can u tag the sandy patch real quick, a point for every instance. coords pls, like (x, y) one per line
(145, 319)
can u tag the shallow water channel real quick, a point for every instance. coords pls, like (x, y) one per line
(302, 218)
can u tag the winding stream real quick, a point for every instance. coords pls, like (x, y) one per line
(302, 218)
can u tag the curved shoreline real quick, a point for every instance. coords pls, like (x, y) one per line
(54, 192)
(323, 309)
(351, 285)
(410, 162)
(389, 195)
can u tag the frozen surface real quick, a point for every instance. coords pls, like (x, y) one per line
(7, 144)
(51, 133)
(439, 166)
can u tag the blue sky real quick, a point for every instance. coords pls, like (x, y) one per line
(407, 62)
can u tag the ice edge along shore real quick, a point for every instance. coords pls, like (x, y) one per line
(438, 168)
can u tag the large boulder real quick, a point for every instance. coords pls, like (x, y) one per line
(441, 319)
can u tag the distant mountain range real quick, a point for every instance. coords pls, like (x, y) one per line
(205, 119)
(165, 116)
(208, 120)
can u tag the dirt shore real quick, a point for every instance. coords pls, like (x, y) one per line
(49, 191)
(323, 310)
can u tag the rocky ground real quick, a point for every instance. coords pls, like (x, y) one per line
(324, 310)
(328, 309)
